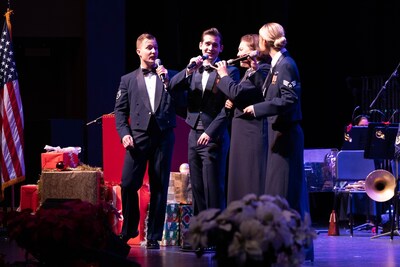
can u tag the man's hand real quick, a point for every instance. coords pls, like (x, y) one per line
(203, 139)
(127, 142)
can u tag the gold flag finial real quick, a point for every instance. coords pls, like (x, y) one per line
(7, 15)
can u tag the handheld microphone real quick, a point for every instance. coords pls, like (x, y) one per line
(158, 63)
(251, 54)
(193, 64)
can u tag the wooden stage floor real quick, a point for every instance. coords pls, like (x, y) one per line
(343, 250)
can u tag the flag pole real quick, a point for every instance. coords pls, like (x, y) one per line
(12, 117)
(8, 21)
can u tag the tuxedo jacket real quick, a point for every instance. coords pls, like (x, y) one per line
(208, 105)
(132, 95)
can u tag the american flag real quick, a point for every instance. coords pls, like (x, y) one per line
(12, 164)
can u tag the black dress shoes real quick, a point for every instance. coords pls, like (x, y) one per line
(152, 244)
(187, 248)
(210, 249)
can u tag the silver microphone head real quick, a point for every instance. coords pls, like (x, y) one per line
(253, 53)
(158, 62)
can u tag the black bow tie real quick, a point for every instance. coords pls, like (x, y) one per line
(207, 68)
(147, 71)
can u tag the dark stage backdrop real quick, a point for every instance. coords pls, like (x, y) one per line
(70, 55)
(335, 47)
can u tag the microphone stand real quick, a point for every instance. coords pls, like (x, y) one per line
(393, 213)
(384, 86)
(98, 119)
(395, 220)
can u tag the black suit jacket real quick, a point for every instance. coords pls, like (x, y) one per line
(210, 105)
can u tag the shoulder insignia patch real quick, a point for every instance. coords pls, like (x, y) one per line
(118, 94)
(289, 84)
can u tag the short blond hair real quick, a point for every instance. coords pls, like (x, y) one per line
(142, 37)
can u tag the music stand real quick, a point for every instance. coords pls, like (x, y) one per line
(355, 138)
(381, 146)
(380, 141)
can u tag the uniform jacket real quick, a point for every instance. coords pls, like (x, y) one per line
(282, 99)
(245, 93)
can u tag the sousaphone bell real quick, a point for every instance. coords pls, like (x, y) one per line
(380, 185)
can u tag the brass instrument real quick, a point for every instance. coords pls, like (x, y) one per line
(380, 185)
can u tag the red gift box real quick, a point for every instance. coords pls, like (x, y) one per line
(50, 159)
(114, 196)
(29, 197)
(144, 200)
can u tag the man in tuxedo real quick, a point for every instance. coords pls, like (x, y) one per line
(208, 140)
(145, 118)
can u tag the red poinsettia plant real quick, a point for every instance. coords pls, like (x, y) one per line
(65, 231)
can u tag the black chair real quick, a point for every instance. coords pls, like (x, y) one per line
(351, 167)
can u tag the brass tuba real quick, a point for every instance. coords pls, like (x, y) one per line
(380, 185)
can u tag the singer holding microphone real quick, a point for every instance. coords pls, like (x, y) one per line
(248, 148)
(208, 140)
(282, 109)
(145, 119)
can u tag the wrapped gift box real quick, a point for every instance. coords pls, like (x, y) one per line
(84, 185)
(172, 213)
(179, 190)
(186, 212)
(113, 196)
(171, 225)
(144, 200)
(170, 234)
(29, 197)
(50, 159)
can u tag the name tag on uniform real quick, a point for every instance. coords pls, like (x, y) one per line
(274, 78)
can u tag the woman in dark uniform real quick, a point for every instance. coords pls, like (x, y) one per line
(248, 148)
